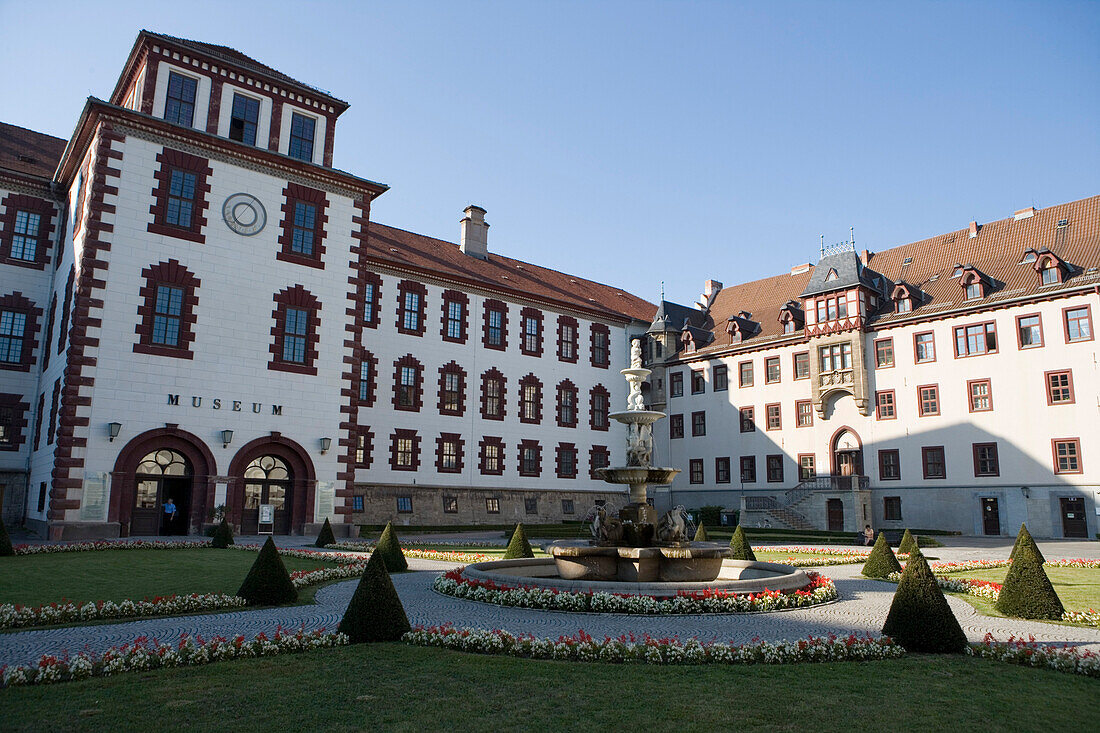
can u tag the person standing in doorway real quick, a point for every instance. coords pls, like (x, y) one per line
(169, 516)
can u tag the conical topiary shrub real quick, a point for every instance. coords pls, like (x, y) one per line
(325, 537)
(375, 612)
(908, 543)
(701, 533)
(881, 562)
(518, 546)
(390, 550)
(268, 582)
(1020, 538)
(6, 549)
(740, 546)
(920, 619)
(223, 536)
(1027, 592)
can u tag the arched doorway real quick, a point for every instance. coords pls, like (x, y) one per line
(161, 477)
(267, 481)
(847, 453)
(276, 471)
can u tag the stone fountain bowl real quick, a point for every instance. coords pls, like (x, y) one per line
(637, 475)
(734, 576)
(687, 563)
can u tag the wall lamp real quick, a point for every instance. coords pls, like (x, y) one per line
(1027, 492)
(326, 443)
(227, 438)
(113, 429)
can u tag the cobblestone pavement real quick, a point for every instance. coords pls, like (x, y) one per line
(862, 608)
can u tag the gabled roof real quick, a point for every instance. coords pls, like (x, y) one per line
(418, 253)
(29, 152)
(673, 317)
(849, 273)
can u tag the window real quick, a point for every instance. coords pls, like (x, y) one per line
(410, 307)
(744, 377)
(372, 297)
(929, 400)
(698, 424)
(601, 346)
(903, 305)
(1029, 331)
(13, 325)
(599, 402)
(934, 466)
(494, 335)
(806, 467)
(721, 378)
(1050, 274)
(450, 505)
(676, 384)
(408, 384)
(771, 370)
(891, 508)
(530, 458)
(303, 227)
(889, 465)
(531, 505)
(1067, 455)
(166, 315)
(973, 290)
(884, 353)
(775, 469)
(491, 458)
(804, 409)
(357, 503)
(884, 405)
(789, 326)
(181, 199)
(774, 416)
(530, 399)
(924, 347)
(448, 453)
(12, 421)
(567, 339)
(302, 130)
(698, 381)
(830, 309)
(981, 395)
(364, 446)
(676, 426)
(985, 460)
(365, 389)
(296, 322)
(452, 389)
(404, 505)
(179, 107)
(598, 457)
(24, 241)
(244, 118)
(404, 450)
(25, 229)
(566, 459)
(1060, 387)
(695, 469)
(748, 469)
(1078, 322)
(492, 506)
(981, 338)
(802, 365)
(567, 506)
(305, 220)
(531, 327)
(722, 470)
(180, 196)
(748, 420)
(836, 357)
(567, 405)
(492, 395)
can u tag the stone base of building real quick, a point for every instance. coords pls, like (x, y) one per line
(83, 530)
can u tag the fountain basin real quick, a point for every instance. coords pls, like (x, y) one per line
(637, 417)
(692, 562)
(637, 475)
(734, 576)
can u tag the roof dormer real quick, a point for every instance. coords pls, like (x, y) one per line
(741, 327)
(1052, 269)
(905, 297)
(792, 317)
(974, 283)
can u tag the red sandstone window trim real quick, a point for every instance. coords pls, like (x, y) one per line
(530, 409)
(299, 298)
(13, 205)
(411, 321)
(396, 453)
(916, 348)
(794, 364)
(14, 409)
(66, 311)
(993, 459)
(1087, 321)
(293, 195)
(928, 453)
(39, 417)
(1019, 332)
(408, 397)
(798, 413)
(530, 341)
(676, 384)
(1073, 444)
(372, 299)
(807, 472)
(934, 397)
(455, 299)
(171, 160)
(599, 407)
(773, 468)
(882, 455)
(560, 452)
(366, 392)
(483, 456)
(169, 274)
(524, 468)
(886, 405)
(567, 390)
(886, 342)
(47, 335)
(364, 446)
(773, 413)
(457, 405)
(745, 378)
(594, 465)
(698, 424)
(722, 470)
(970, 396)
(1050, 387)
(676, 426)
(496, 377)
(695, 471)
(568, 339)
(442, 443)
(747, 419)
(600, 346)
(16, 303)
(490, 307)
(989, 333)
(769, 362)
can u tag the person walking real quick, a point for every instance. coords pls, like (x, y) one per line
(169, 517)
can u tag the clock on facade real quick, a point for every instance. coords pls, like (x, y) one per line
(244, 214)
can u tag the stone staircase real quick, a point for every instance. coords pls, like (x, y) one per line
(785, 512)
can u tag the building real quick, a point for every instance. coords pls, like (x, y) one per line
(949, 383)
(194, 305)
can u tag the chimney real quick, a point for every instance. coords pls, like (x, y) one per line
(475, 233)
(973, 230)
(865, 256)
(710, 291)
(1024, 213)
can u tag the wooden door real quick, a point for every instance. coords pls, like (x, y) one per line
(145, 518)
(835, 511)
(846, 463)
(1073, 518)
(991, 517)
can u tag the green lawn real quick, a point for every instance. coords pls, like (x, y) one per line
(115, 575)
(1079, 588)
(395, 687)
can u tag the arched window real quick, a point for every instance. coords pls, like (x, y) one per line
(267, 481)
(160, 476)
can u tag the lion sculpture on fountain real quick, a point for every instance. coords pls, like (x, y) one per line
(672, 529)
(606, 531)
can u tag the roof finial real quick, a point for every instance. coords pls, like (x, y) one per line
(822, 245)
(662, 290)
(853, 231)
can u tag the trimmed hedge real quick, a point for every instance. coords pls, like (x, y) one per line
(1027, 592)
(325, 537)
(740, 546)
(920, 619)
(518, 546)
(6, 549)
(701, 533)
(375, 612)
(389, 549)
(223, 536)
(1020, 538)
(268, 582)
(908, 543)
(881, 562)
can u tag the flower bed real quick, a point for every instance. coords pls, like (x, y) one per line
(143, 654)
(823, 556)
(96, 545)
(412, 552)
(969, 565)
(582, 647)
(1028, 653)
(453, 583)
(338, 557)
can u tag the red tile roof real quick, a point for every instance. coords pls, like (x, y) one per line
(29, 152)
(402, 249)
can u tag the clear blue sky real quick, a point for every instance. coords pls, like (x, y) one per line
(635, 142)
